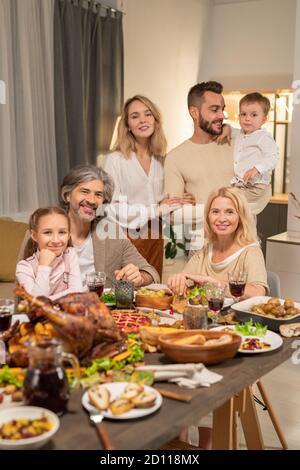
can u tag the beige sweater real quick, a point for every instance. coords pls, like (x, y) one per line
(249, 259)
(198, 169)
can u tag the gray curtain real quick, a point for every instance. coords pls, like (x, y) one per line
(88, 73)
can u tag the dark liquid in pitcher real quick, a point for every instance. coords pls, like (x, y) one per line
(5, 320)
(237, 288)
(215, 304)
(47, 388)
(98, 288)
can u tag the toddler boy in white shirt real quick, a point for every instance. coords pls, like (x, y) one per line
(255, 151)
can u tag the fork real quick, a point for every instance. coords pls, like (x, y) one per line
(97, 418)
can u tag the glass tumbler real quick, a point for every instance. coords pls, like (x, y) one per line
(124, 292)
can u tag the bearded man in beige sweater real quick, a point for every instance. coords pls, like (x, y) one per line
(199, 165)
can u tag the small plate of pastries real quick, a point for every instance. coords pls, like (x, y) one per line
(122, 400)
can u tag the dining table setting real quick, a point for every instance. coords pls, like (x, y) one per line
(139, 374)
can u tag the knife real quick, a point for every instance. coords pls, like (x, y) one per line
(96, 419)
(186, 397)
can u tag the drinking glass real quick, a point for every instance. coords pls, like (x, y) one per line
(215, 298)
(237, 283)
(6, 313)
(95, 282)
(124, 292)
(195, 317)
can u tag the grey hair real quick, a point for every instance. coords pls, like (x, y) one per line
(80, 174)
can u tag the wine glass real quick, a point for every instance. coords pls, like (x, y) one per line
(6, 313)
(237, 283)
(95, 282)
(215, 298)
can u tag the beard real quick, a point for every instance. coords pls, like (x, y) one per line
(85, 217)
(206, 126)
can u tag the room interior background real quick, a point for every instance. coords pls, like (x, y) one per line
(168, 46)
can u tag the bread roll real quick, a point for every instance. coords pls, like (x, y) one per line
(131, 391)
(192, 339)
(224, 339)
(99, 396)
(150, 334)
(144, 400)
(292, 329)
(118, 407)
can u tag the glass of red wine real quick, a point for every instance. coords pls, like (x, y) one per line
(6, 313)
(95, 282)
(215, 298)
(237, 283)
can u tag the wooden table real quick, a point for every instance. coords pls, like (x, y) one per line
(154, 430)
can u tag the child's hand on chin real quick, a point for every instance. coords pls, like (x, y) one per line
(46, 257)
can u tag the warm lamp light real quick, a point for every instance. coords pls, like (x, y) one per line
(115, 134)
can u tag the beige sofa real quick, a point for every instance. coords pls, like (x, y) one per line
(11, 236)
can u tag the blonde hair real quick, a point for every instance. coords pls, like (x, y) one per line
(246, 229)
(157, 144)
(32, 245)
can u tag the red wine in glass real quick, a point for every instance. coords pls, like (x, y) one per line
(96, 287)
(215, 304)
(5, 320)
(237, 288)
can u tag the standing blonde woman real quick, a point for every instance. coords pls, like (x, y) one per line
(136, 167)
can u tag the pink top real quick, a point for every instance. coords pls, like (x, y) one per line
(61, 278)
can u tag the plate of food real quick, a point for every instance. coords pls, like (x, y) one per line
(160, 299)
(270, 311)
(26, 427)
(256, 338)
(122, 400)
(130, 321)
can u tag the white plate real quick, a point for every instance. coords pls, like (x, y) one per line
(270, 337)
(21, 317)
(29, 412)
(116, 389)
(157, 287)
(162, 313)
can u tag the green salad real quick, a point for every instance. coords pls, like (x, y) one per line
(251, 329)
(108, 297)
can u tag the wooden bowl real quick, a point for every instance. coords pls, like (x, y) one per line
(207, 354)
(149, 301)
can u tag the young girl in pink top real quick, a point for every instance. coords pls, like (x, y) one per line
(51, 266)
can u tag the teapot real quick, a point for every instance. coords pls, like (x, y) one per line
(46, 383)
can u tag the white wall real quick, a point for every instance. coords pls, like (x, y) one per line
(252, 44)
(294, 209)
(163, 45)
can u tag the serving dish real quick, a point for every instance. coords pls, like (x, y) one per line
(154, 298)
(243, 312)
(32, 413)
(205, 353)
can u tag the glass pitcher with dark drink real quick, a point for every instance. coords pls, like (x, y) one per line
(237, 283)
(46, 383)
(95, 282)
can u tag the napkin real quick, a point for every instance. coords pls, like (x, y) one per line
(185, 375)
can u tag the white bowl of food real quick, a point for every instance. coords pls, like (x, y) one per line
(26, 427)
